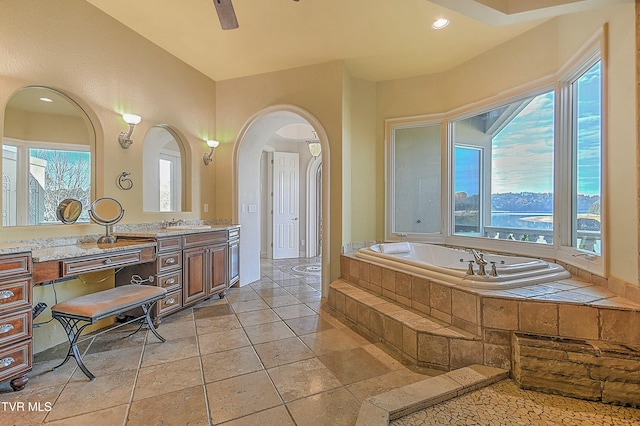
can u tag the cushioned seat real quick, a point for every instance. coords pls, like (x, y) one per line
(102, 304)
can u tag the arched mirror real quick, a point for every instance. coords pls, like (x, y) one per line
(46, 156)
(163, 170)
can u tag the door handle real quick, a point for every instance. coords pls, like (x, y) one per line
(295, 218)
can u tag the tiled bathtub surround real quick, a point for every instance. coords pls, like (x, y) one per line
(447, 327)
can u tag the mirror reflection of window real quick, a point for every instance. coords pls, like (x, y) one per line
(162, 171)
(46, 157)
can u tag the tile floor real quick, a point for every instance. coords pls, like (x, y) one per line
(266, 354)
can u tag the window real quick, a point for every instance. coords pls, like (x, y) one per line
(511, 197)
(49, 174)
(169, 182)
(415, 178)
(523, 174)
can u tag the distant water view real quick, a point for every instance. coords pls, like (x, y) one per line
(517, 220)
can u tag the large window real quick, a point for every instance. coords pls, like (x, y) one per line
(523, 173)
(511, 197)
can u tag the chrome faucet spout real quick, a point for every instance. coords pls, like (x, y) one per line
(479, 257)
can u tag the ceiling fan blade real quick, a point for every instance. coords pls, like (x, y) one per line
(226, 14)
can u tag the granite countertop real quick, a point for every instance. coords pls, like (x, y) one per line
(85, 248)
(157, 232)
(11, 248)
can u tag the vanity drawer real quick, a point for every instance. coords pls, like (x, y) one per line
(204, 239)
(15, 360)
(171, 302)
(100, 262)
(15, 326)
(15, 294)
(171, 281)
(167, 244)
(12, 265)
(169, 261)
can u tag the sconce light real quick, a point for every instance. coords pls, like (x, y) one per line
(314, 145)
(207, 157)
(125, 137)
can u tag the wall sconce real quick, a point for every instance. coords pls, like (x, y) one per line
(125, 137)
(314, 145)
(207, 157)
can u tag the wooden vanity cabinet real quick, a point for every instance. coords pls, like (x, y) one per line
(16, 349)
(234, 257)
(204, 266)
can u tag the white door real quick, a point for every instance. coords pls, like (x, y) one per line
(286, 206)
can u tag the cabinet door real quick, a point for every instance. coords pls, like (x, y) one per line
(234, 262)
(218, 269)
(194, 267)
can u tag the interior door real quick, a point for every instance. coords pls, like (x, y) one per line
(286, 205)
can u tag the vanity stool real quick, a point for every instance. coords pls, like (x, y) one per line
(103, 304)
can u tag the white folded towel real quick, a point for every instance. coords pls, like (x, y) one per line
(391, 248)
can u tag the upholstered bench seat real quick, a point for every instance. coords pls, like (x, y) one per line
(103, 304)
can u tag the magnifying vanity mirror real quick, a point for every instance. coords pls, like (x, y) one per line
(163, 170)
(107, 212)
(69, 211)
(47, 150)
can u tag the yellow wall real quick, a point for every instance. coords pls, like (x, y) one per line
(532, 56)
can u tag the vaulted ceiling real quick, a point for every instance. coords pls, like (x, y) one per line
(377, 39)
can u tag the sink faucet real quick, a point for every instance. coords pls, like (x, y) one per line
(173, 222)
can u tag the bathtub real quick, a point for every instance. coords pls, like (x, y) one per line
(451, 265)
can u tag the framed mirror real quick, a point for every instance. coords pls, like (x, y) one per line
(47, 157)
(163, 170)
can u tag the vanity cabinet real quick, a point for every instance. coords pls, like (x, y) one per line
(16, 350)
(205, 265)
(234, 257)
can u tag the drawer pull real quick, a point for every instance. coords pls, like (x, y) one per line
(107, 261)
(171, 281)
(6, 294)
(171, 301)
(170, 260)
(5, 328)
(5, 362)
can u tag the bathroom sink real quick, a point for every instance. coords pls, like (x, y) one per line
(187, 227)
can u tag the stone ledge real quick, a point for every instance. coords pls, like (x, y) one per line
(392, 405)
(419, 338)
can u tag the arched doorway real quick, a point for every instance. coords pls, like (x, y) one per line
(247, 184)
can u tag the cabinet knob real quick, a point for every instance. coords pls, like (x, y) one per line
(6, 294)
(171, 301)
(170, 260)
(5, 362)
(171, 281)
(107, 261)
(5, 328)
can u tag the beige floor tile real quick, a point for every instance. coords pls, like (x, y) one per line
(335, 407)
(277, 416)
(280, 301)
(294, 311)
(167, 377)
(182, 407)
(384, 383)
(239, 396)
(269, 332)
(267, 293)
(308, 325)
(171, 350)
(108, 362)
(283, 351)
(217, 310)
(330, 340)
(222, 341)
(353, 365)
(249, 305)
(263, 316)
(171, 330)
(84, 396)
(300, 289)
(243, 296)
(302, 378)
(43, 375)
(227, 364)
(215, 324)
(107, 417)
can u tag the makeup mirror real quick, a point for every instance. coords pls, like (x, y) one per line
(69, 210)
(107, 212)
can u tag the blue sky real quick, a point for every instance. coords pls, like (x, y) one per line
(522, 154)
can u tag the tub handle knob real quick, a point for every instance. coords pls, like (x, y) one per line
(470, 268)
(494, 271)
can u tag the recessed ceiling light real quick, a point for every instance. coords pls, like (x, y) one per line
(440, 23)
(46, 100)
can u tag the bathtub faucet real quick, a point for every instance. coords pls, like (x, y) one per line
(479, 258)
